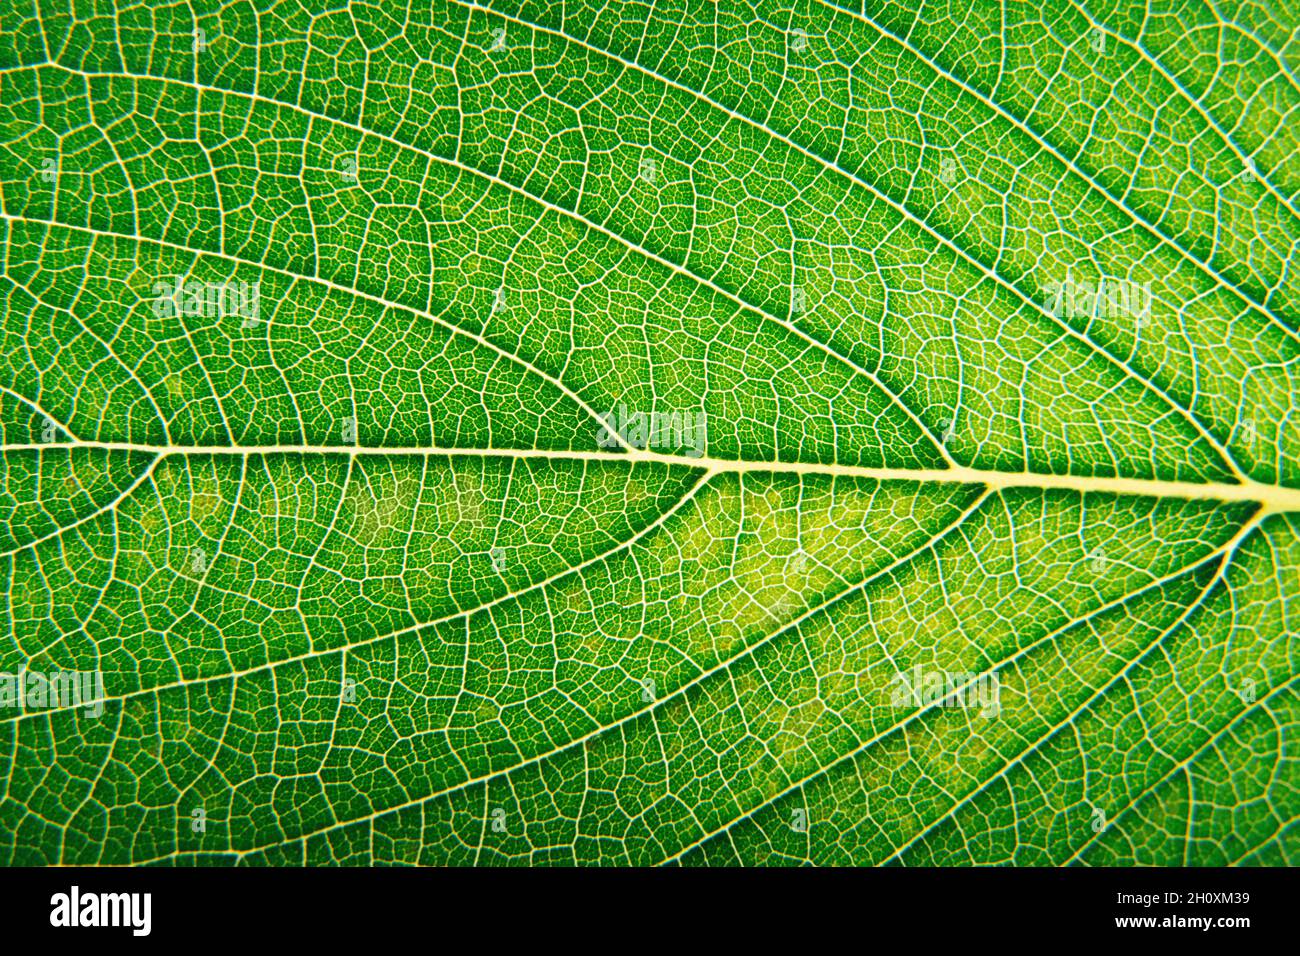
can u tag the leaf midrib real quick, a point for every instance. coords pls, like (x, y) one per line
(1273, 498)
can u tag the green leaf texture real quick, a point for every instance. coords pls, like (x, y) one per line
(366, 578)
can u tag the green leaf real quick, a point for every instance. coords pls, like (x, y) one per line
(372, 537)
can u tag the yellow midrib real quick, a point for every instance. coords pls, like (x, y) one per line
(1272, 498)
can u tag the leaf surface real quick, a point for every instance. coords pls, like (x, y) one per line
(365, 575)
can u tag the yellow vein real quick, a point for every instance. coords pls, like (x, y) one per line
(1274, 498)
